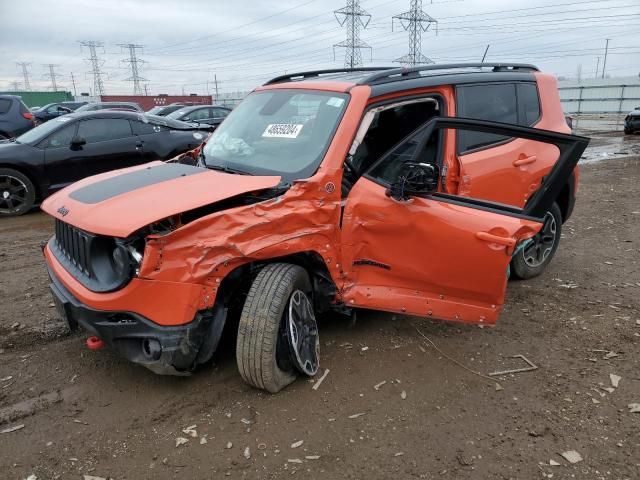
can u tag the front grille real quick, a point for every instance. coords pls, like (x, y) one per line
(74, 244)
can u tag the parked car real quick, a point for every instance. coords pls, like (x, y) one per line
(74, 146)
(126, 106)
(15, 117)
(407, 190)
(54, 110)
(207, 114)
(163, 110)
(632, 121)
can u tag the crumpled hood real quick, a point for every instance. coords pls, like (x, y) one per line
(120, 202)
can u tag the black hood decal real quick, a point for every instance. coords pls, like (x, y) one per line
(127, 182)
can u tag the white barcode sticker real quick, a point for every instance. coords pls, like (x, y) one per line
(335, 102)
(282, 130)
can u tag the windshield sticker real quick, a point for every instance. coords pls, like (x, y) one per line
(335, 102)
(282, 130)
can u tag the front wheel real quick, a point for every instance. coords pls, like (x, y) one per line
(17, 193)
(277, 334)
(531, 260)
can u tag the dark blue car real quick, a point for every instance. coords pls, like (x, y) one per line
(54, 110)
(15, 117)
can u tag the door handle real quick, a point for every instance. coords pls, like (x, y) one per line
(490, 238)
(524, 161)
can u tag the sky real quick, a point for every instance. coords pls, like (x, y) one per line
(189, 43)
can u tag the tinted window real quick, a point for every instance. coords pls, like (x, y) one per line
(200, 114)
(61, 138)
(104, 129)
(529, 103)
(494, 102)
(220, 112)
(5, 105)
(140, 128)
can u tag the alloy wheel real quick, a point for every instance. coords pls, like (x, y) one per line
(302, 331)
(542, 244)
(13, 194)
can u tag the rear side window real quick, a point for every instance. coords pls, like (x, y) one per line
(140, 128)
(529, 103)
(496, 102)
(5, 105)
(99, 130)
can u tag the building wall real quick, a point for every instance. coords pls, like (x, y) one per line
(39, 99)
(148, 102)
(606, 95)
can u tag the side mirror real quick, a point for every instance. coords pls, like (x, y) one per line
(414, 179)
(77, 142)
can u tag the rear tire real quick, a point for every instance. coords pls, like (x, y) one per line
(17, 193)
(531, 261)
(262, 351)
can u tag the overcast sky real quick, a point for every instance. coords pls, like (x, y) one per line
(244, 42)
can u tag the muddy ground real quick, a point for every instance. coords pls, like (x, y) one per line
(86, 413)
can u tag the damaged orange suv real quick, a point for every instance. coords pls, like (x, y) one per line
(410, 190)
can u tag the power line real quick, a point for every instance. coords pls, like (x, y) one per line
(134, 61)
(98, 85)
(52, 75)
(25, 75)
(415, 21)
(353, 16)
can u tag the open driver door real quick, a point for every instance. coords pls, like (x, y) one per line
(408, 248)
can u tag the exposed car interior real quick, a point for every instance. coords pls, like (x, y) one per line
(381, 129)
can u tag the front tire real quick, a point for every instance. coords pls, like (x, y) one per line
(263, 352)
(531, 261)
(17, 193)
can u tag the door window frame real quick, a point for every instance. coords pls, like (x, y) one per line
(44, 143)
(131, 134)
(570, 149)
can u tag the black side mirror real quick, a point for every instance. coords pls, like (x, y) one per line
(414, 179)
(77, 142)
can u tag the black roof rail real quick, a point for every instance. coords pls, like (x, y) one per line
(316, 73)
(396, 74)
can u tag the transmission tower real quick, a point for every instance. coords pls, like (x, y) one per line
(52, 75)
(98, 86)
(25, 74)
(415, 21)
(134, 61)
(354, 17)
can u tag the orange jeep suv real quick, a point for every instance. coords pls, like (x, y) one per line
(412, 190)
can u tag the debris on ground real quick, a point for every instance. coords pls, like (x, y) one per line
(13, 429)
(229, 445)
(181, 441)
(312, 457)
(634, 407)
(553, 463)
(294, 460)
(92, 477)
(321, 379)
(378, 385)
(615, 380)
(572, 456)
(247, 453)
(403, 395)
(499, 387)
(356, 415)
(297, 444)
(191, 431)
(398, 454)
(203, 440)
(530, 368)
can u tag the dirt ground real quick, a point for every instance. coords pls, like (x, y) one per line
(86, 413)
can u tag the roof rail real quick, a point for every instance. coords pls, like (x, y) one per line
(396, 74)
(315, 73)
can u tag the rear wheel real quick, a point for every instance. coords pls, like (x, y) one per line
(277, 334)
(531, 261)
(17, 193)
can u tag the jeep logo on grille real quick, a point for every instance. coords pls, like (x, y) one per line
(63, 211)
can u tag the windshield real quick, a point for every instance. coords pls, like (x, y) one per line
(41, 131)
(277, 132)
(166, 122)
(178, 113)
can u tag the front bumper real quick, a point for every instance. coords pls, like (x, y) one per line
(166, 350)
(632, 125)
